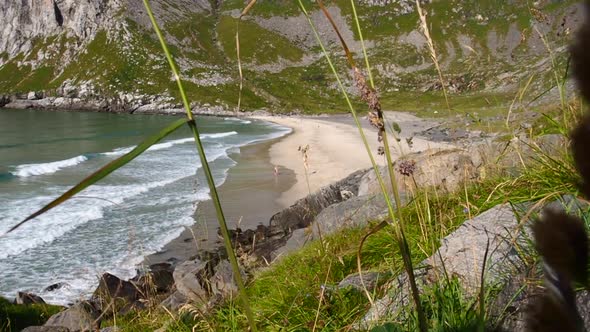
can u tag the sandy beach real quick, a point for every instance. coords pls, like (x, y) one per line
(336, 149)
(253, 192)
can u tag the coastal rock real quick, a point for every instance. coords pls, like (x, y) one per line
(495, 232)
(443, 169)
(437, 168)
(302, 213)
(223, 285)
(27, 298)
(296, 241)
(111, 287)
(191, 279)
(285, 230)
(355, 212)
(81, 317)
(162, 276)
(175, 301)
(46, 329)
(56, 286)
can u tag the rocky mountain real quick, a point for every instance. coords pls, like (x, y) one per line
(104, 53)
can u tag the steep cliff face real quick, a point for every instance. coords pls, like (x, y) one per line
(91, 48)
(25, 20)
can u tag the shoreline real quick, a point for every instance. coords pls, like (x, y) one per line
(252, 194)
(247, 198)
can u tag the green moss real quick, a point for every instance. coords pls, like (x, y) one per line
(16, 317)
(256, 44)
(11, 75)
(37, 80)
(196, 37)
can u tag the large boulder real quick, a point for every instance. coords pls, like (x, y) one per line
(443, 169)
(223, 284)
(302, 213)
(110, 287)
(159, 279)
(355, 212)
(81, 317)
(191, 280)
(27, 298)
(494, 239)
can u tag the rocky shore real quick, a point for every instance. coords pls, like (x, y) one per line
(205, 279)
(86, 98)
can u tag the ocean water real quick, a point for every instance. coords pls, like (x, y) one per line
(112, 225)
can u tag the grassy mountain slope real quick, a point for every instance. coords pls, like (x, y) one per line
(482, 47)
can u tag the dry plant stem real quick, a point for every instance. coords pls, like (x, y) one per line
(360, 32)
(244, 12)
(432, 50)
(239, 64)
(207, 171)
(404, 249)
(317, 314)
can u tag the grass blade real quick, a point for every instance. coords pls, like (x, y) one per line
(374, 106)
(105, 170)
(207, 170)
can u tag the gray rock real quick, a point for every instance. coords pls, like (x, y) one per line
(444, 169)
(355, 212)
(111, 329)
(461, 256)
(125, 293)
(175, 301)
(462, 252)
(27, 298)
(56, 286)
(80, 317)
(191, 279)
(223, 285)
(45, 329)
(302, 213)
(298, 239)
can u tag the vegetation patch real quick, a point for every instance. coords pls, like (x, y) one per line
(257, 45)
(14, 317)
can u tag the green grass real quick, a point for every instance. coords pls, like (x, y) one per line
(195, 36)
(15, 317)
(286, 295)
(257, 45)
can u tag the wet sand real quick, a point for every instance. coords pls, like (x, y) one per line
(248, 197)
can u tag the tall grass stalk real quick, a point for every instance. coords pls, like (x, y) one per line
(402, 242)
(208, 174)
(432, 50)
(387, 150)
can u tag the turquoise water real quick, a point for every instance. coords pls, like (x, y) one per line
(112, 225)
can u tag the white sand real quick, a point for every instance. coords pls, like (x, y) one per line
(335, 149)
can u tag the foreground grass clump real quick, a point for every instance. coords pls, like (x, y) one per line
(298, 292)
(15, 317)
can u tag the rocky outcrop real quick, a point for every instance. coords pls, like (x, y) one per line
(493, 240)
(28, 298)
(81, 317)
(46, 329)
(24, 21)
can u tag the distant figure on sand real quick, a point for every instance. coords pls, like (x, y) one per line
(276, 171)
